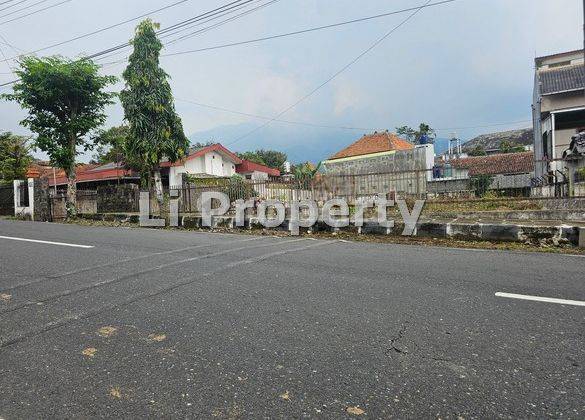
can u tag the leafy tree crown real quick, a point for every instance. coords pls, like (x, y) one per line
(65, 100)
(156, 130)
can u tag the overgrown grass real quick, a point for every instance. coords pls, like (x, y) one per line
(485, 204)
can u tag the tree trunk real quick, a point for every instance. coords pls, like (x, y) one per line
(145, 180)
(71, 200)
(158, 186)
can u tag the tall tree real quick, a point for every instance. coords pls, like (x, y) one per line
(507, 146)
(65, 100)
(306, 171)
(156, 131)
(201, 145)
(270, 158)
(252, 157)
(15, 156)
(415, 136)
(478, 150)
(110, 145)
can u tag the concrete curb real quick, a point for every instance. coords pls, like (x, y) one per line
(540, 235)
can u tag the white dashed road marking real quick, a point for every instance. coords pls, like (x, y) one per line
(46, 242)
(541, 299)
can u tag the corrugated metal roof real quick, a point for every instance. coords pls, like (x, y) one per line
(562, 79)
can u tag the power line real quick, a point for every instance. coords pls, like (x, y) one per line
(5, 42)
(191, 20)
(336, 127)
(303, 31)
(191, 34)
(263, 117)
(3, 55)
(35, 12)
(12, 5)
(348, 65)
(223, 8)
(24, 8)
(483, 126)
(198, 23)
(97, 31)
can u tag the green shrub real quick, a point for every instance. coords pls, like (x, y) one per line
(481, 183)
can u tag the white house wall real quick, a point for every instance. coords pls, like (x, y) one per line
(218, 165)
(210, 164)
(255, 176)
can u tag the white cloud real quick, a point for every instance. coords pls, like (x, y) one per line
(347, 96)
(271, 93)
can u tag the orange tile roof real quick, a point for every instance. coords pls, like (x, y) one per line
(508, 163)
(248, 166)
(374, 143)
(84, 173)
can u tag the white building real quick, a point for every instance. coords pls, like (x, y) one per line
(205, 162)
(215, 161)
(558, 107)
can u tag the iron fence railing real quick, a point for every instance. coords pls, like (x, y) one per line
(6, 200)
(447, 186)
(23, 194)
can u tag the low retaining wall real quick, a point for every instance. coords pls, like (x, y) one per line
(577, 215)
(538, 235)
(554, 235)
(564, 204)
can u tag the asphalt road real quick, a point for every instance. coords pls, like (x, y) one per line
(182, 324)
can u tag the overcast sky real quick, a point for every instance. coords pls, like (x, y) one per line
(467, 63)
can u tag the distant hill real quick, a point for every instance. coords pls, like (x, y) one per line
(491, 142)
(299, 143)
(441, 145)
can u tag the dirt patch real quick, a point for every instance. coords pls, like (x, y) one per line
(107, 331)
(116, 393)
(89, 352)
(356, 411)
(157, 337)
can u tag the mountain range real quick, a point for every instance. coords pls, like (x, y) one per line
(300, 143)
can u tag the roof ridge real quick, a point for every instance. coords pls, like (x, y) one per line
(566, 67)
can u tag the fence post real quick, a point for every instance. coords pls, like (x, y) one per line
(417, 184)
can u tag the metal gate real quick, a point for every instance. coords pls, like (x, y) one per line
(6, 200)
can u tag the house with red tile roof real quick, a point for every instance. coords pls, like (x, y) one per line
(504, 171)
(503, 163)
(378, 153)
(373, 144)
(88, 175)
(215, 161)
(255, 171)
